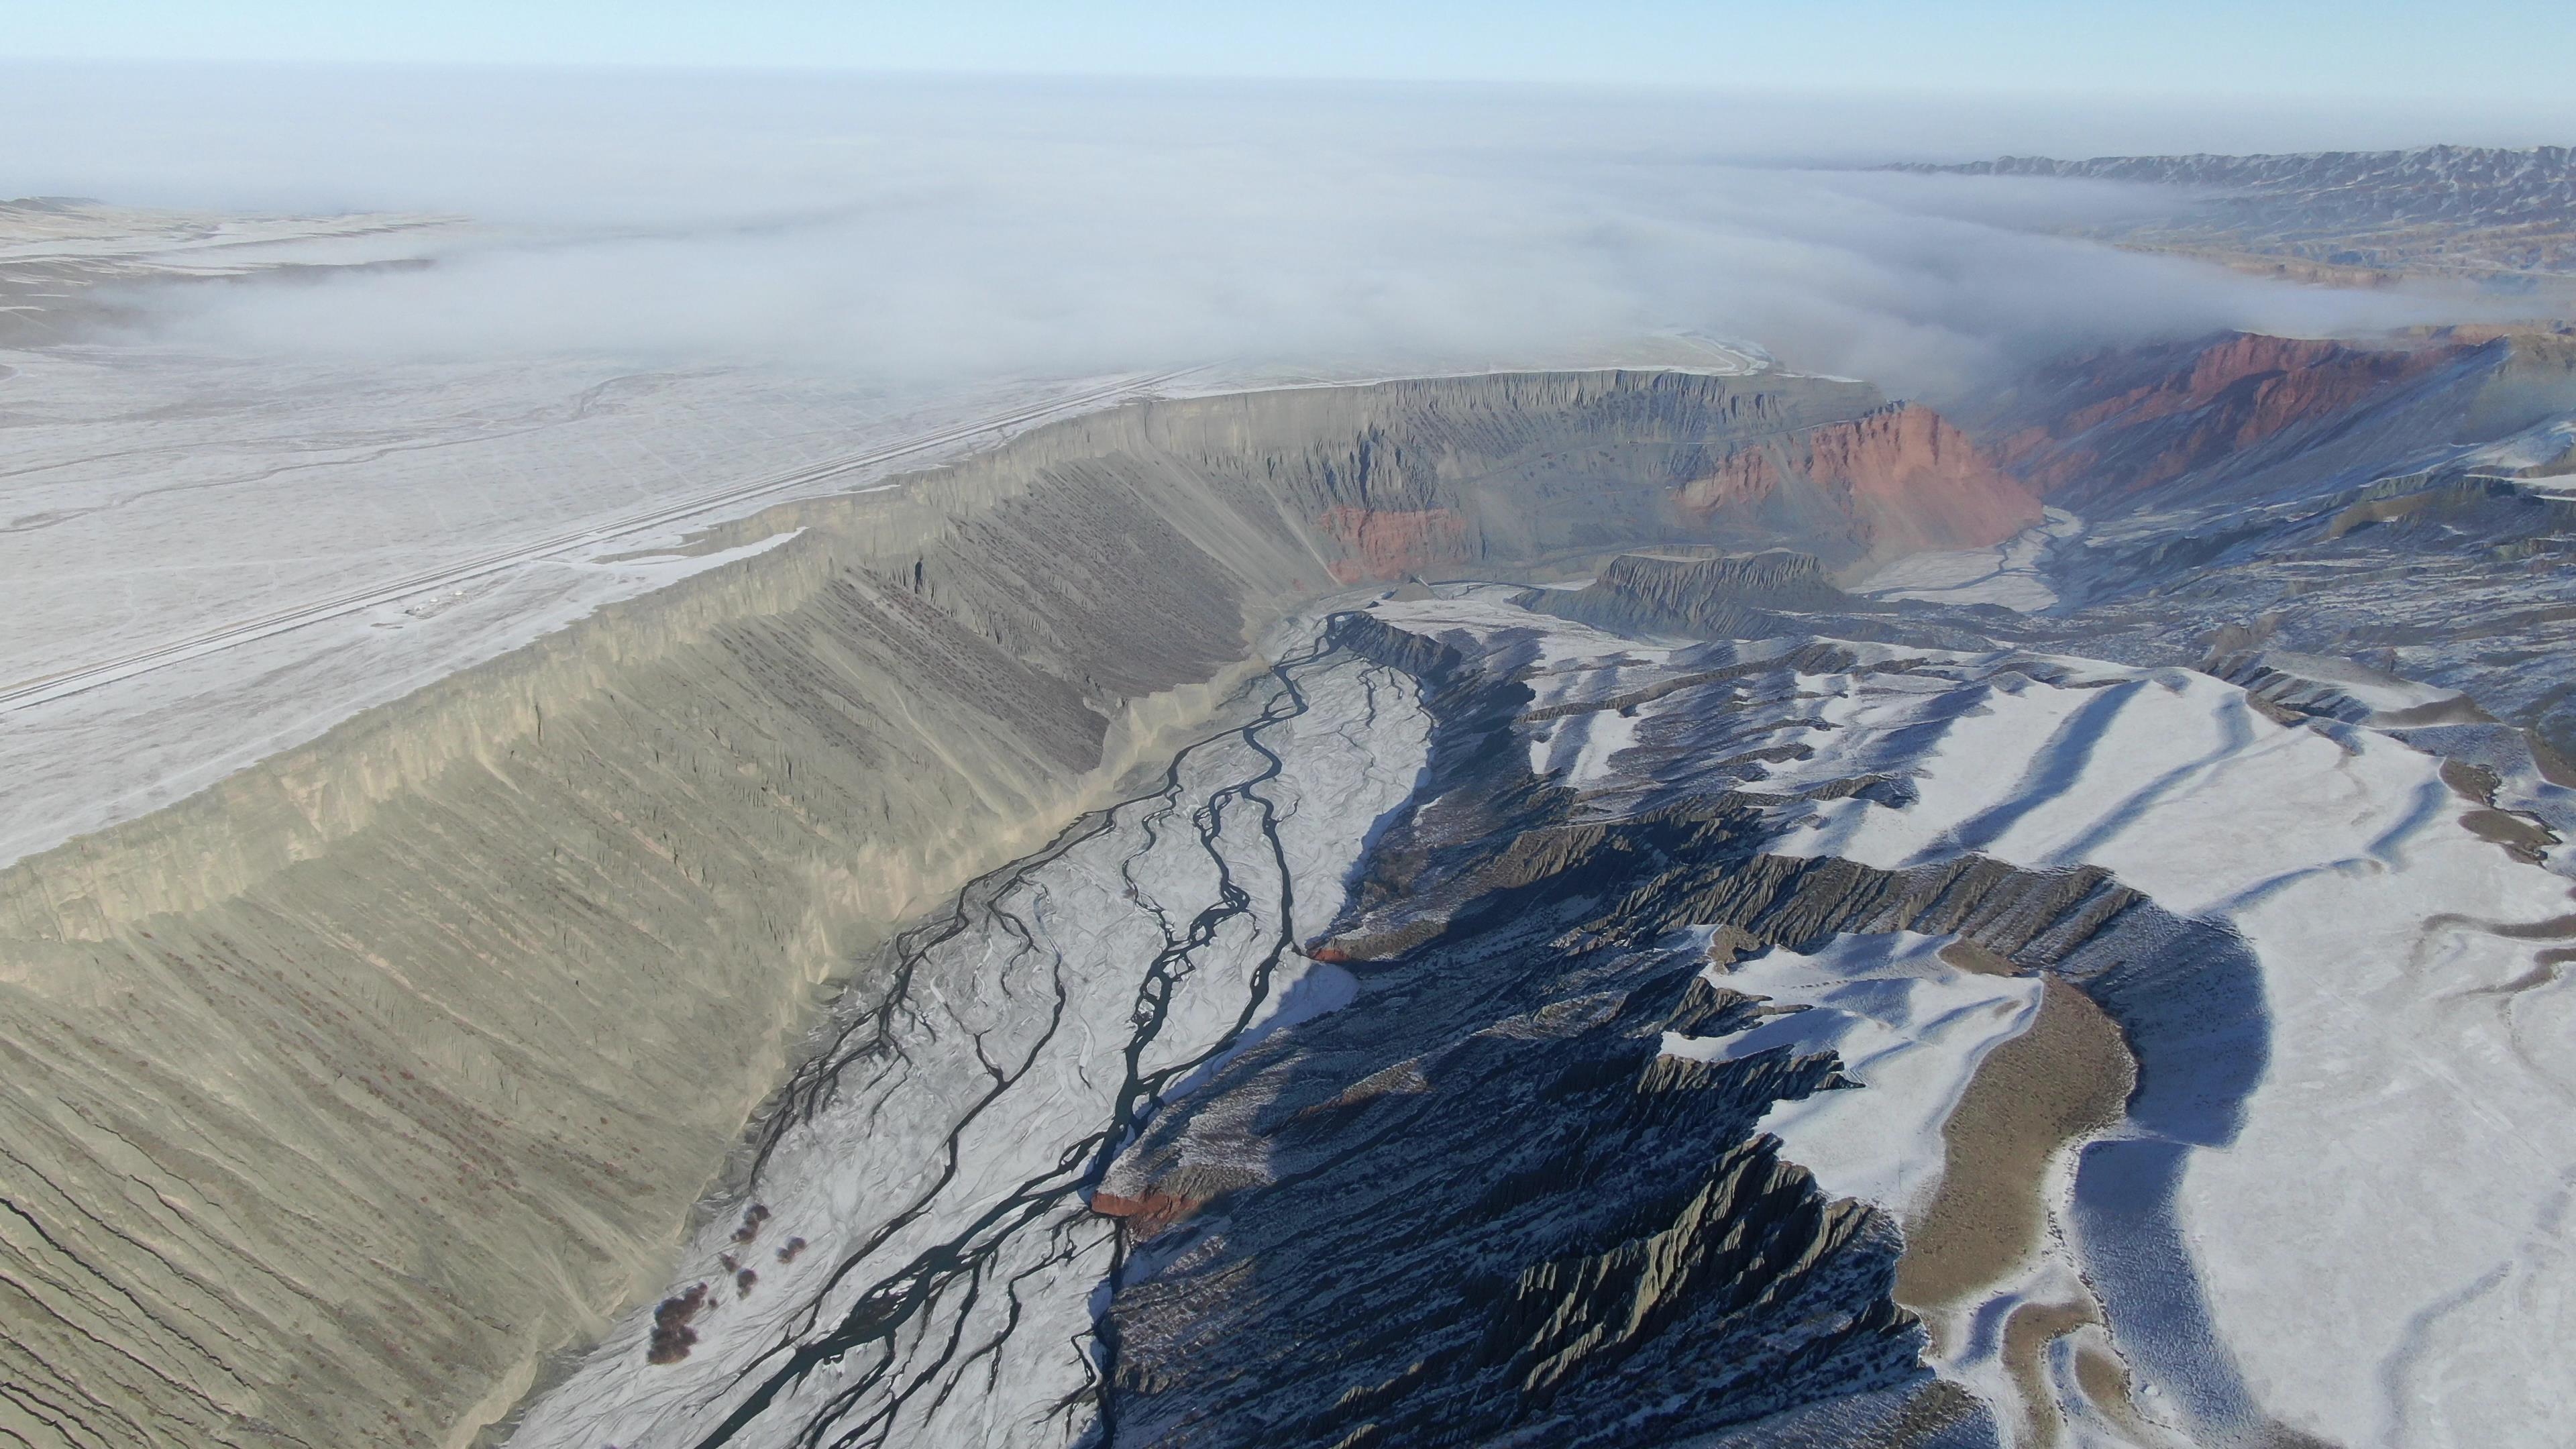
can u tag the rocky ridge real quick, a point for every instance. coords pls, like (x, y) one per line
(2407, 519)
(2478, 211)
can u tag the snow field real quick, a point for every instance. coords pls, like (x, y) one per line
(1911, 1030)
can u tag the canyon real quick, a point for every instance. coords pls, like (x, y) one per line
(422, 1113)
(1622, 907)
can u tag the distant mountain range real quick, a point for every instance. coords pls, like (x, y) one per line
(2435, 209)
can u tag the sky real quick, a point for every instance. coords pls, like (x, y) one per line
(2500, 53)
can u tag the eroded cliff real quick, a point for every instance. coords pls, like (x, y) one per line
(342, 1093)
(2105, 429)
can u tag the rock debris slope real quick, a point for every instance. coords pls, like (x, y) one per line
(342, 1093)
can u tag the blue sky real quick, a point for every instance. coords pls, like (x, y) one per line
(2506, 50)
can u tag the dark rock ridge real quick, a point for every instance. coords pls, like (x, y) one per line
(1776, 594)
(1740, 596)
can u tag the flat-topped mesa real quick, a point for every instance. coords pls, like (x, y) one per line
(391, 1064)
(1780, 578)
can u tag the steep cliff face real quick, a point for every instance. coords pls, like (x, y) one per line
(1918, 482)
(1829, 470)
(1741, 480)
(2110, 429)
(342, 1093)
(1395, 543)
(1901, 478)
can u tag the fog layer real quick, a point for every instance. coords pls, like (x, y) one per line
(924, 228)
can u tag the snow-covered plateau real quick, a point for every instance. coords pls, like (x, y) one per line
(220, 558)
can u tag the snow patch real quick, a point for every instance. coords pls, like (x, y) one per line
(1911, 1030)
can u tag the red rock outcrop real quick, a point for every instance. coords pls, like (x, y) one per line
(2117, 423)
(1901, 478)
(1742, 477)
(1919, 482)
(1148, 1215)
(1390, 544)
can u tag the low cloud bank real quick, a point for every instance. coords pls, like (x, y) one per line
(921, 228)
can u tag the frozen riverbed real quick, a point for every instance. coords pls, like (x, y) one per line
(917, 1260)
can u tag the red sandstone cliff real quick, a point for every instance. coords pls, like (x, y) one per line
(1891, 481)
(2111, 425)
(1918, 482)
(1896, 480)
(1740, 478)
(1388, 544)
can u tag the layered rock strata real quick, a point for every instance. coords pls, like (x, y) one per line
(2114, 428)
